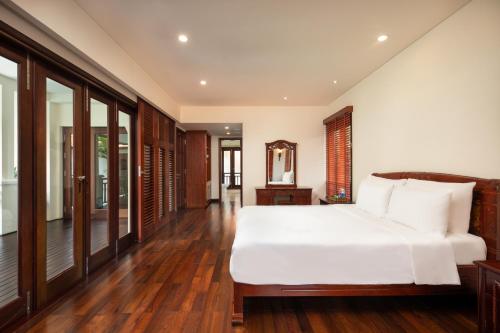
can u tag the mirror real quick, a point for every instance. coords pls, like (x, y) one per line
(281, 164)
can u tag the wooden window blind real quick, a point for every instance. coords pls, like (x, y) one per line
(339, 153)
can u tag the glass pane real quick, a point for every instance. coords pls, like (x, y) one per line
(59, 173)
(226, 167)
(237, 167)
(9, 182)
(124, 167)
(99, 210)
(237, 163)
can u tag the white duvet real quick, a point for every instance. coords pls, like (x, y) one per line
(335, 244)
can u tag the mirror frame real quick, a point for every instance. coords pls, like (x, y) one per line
(280, 144)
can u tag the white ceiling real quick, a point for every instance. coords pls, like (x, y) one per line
(215, 129)
(254, 52)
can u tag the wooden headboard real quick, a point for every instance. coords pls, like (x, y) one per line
(485, 214)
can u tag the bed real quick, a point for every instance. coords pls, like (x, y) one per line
(339, 250)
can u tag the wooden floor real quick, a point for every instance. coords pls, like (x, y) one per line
(8, 268)
(179, 282)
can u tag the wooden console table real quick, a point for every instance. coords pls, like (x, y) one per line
(283, 196)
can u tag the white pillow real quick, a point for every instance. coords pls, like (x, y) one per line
(461, 201)
(373, 197)
(426, 211)
(395, 182)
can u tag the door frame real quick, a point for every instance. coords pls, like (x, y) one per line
(232, 181)
(67, 166)
(95, 260)
(220, 152)
(22, 305)
(46, 291)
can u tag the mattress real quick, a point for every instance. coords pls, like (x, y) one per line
(340, 244)
(467, 248)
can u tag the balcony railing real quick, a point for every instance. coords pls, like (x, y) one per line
(227, 179)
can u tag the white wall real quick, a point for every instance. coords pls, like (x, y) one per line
(435, 106)
(66, 29)
(265, 124)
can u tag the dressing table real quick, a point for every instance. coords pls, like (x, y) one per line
(281, 177)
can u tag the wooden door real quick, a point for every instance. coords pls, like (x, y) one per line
(180, 167)
(163, 166)
(147, 207)
(59, 237)
(16, 226)
(196, 166)
(101, 165)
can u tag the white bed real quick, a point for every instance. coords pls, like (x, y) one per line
(341, 244)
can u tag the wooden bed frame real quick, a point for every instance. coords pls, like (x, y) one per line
(485, 222)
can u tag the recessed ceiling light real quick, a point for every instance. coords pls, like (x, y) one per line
(285, 98)
(203, 82)
(334, 81)
(183, 38)
(382, 38)
(226, 128)
(228, 133)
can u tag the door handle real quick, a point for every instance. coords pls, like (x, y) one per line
(80, 179)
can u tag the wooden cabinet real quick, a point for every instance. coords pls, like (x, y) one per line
(180, 166)
(198, 186)
(156, 157)
(283, 196)
(488, 296)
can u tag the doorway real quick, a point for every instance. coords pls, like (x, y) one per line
(230, 171)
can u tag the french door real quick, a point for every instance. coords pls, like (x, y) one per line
(67, 186)
(231, 167)
(126, 185)
(16, 172)
(101, 231)
(60, 183)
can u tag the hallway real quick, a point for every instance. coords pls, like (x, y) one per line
(230, 196)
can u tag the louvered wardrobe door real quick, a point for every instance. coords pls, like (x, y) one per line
(148, 186)
(171, 181)
(161, 183)
(146, 193)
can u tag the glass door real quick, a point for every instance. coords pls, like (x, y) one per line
(16, 159)
(231, 168)
(60, 183)
(101, 224)
(126, 184)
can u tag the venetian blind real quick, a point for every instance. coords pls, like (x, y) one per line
(339, 153)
